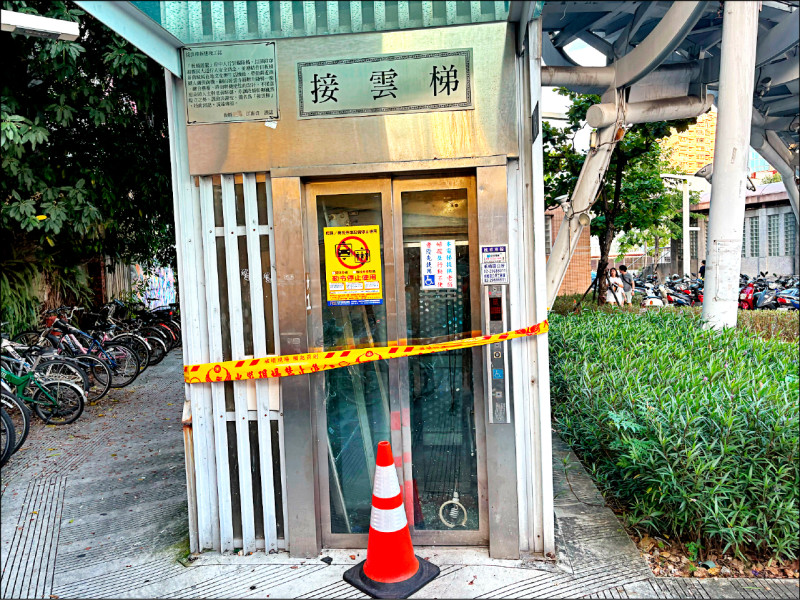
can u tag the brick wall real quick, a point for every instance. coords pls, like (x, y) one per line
(579, 272)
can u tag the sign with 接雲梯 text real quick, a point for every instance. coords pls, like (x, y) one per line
(385, 84)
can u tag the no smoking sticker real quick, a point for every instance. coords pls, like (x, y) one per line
(353, 265)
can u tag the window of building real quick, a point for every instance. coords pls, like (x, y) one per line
(790, 234)
(755, 246)
(548, 234)
(744, 242)
(773, 235)
(693, 244)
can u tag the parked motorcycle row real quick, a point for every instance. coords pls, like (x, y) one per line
(77, 356)
(761, 292)
(769, 294)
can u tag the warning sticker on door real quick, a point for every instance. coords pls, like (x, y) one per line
(438, 264)
(353, 265)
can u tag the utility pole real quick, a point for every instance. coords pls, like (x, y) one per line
(731, 146)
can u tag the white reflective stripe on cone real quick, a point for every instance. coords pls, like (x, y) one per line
(386, 485)
(388, 521)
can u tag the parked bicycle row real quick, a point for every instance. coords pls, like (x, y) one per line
(77, 356)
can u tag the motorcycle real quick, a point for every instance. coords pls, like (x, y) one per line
(788, 299)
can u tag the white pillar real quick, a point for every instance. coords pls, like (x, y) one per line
(539, 365)
(735, 104)
(687, 259)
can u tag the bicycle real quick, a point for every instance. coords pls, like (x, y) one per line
(19, 413)
(89, 372)
(7, 437)
(124, 361)
(54, 402)
(106, 329)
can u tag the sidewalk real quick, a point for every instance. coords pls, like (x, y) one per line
(98, 510)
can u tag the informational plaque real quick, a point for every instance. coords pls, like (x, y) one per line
(228, 83)
(389, 83)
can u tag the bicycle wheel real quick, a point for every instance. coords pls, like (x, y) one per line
(139, 346)
(176, 329)
(158, 332)
(20, 417)
(7, 437)
(172, 337)
(66, 406)
(29, 337)
(99, 375)
(63, 370)
(124, 364)
(158, 349)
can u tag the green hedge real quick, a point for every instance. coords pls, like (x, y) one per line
(694, 432)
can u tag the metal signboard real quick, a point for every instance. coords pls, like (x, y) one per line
(228, 83)
(438, 264)
(384, 84)
(353, 265)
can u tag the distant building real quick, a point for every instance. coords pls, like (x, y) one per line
(579, 272)
(758, 167)
(770, 235)
(694, 148)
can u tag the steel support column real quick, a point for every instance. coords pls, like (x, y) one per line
(586, 189)
(726, 216)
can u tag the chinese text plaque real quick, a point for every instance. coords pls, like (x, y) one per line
(390, 83)
(231, 82)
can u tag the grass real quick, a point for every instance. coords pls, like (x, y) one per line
(694, 433)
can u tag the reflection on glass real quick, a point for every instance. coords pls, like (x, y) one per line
(444, 456)
(357, 397)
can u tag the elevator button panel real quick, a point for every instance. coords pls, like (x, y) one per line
(495, 303)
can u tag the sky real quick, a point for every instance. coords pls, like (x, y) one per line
(584, 55)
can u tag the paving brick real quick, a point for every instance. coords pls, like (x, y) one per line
(98, 509)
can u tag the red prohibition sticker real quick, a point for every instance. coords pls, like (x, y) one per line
(352, 252)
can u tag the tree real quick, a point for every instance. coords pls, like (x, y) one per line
(771, 178)
(633, 195)
(83, 134)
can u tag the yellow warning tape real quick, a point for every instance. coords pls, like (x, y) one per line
(301, 364)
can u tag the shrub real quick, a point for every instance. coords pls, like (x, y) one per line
(768, 324)
(694, 432)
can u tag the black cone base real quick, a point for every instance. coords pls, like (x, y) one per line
(402, 589)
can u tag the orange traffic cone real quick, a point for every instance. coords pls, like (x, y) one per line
(391, 569)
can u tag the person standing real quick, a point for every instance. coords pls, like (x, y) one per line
(703, 270)
(628, 285)
(614, 294)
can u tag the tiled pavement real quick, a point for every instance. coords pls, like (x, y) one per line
(97, 509)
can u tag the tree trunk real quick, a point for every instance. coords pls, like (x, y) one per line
(602, 264)
(657, 260)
